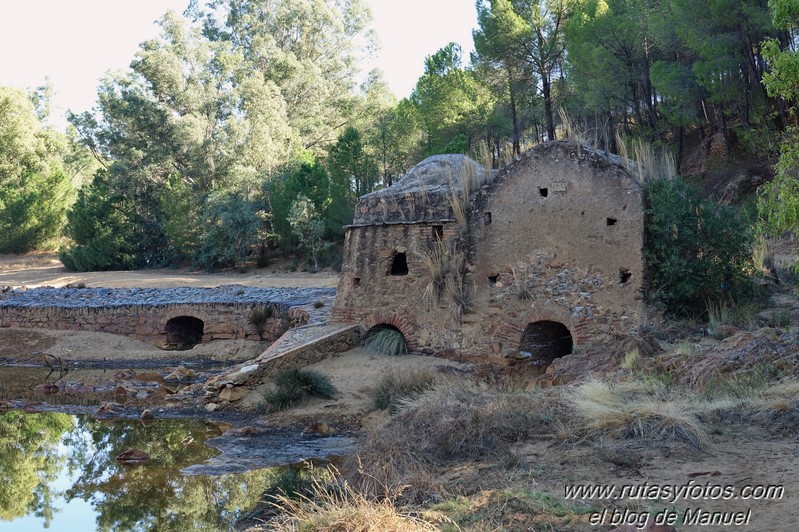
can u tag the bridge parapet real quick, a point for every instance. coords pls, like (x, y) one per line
(224, 312)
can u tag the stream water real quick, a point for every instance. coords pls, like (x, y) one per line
(61, 471)
(59, 467)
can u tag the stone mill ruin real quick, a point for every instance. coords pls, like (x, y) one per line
(530, 264)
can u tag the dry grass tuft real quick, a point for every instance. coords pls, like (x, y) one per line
(630, 359)
(292, 385)
(396, 386)
(343, 509)
(572, 130)
(774, 405)
(637, 409)
(385, 340)
(459, 295)
(462, 419)
(444, 267)
(471, 180)
(437, 263)
(456, 420)
(646, 162)
(484, 155)
(523, 282)
(458, 205)
(719, 315)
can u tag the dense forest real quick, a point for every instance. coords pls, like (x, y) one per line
(243, 130)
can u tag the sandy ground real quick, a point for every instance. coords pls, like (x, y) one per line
(355, 373)
(28, 346)
(45, 270)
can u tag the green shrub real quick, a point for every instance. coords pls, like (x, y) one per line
(293, 385)
(693, 246)
(114, 224)
(230, 231)
(331, 257)
(386, 340)
(33, 211)
(259, 317)
(394, 387)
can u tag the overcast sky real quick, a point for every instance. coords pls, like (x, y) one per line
(75, 42)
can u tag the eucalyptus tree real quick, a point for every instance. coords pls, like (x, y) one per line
(187, 119)
(451, 103)
(308, 49)
(390, 130)
(35, 188)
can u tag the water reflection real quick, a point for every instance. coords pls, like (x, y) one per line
(87, 386)
(60, 471)
(30, 462)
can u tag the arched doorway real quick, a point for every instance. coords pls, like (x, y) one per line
(183, 332)
(545, 341)
(385, 339)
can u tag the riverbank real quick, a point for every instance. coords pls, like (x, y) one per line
(44, 269)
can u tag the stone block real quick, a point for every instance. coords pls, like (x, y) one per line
(233, 394)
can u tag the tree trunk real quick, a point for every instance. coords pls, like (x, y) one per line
(517, 150)
(547, 93)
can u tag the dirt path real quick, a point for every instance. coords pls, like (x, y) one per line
(45, 270)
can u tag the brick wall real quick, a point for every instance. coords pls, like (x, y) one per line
(563, 243)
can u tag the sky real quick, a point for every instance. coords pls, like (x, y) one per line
(74, 42)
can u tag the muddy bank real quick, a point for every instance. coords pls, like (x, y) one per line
(96, 349)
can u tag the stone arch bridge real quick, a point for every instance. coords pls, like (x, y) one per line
(167, 317)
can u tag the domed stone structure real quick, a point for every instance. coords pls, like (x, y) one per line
(544, 257)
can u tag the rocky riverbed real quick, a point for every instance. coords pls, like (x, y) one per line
(117, 297)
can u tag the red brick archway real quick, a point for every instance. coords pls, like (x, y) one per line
(545, 341)
(407, 329)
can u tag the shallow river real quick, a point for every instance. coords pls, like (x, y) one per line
(60, 471)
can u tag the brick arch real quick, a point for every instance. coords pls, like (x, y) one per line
(546, 340)
(551, 313)
(384, 317)
(511, 331)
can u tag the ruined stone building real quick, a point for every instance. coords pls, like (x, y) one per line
(543, 258)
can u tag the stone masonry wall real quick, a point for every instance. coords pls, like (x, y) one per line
(116, 311)
(221, 321)
(369, 295)
(558, 236)
(555, 237)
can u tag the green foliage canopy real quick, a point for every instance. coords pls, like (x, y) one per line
(34, 186)
(693, 245)
(778, 203)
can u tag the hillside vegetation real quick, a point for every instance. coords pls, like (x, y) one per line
(242, 130)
